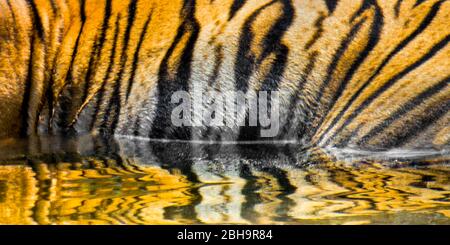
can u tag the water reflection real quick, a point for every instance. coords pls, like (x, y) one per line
(91, 181)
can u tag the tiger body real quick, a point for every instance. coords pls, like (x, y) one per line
(367, 73)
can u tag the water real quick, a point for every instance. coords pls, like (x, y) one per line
(93, 181)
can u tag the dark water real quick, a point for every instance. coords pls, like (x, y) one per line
(93, 181)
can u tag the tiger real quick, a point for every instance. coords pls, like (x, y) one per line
(366, 74)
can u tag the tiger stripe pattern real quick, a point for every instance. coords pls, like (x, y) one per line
(370, 74)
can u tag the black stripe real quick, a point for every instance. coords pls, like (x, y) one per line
(54, 6)
(296, 96)
(14, 26)
(130, 21)
(36, 19)
(66, 103)
(12, 13)
(50, 97)
(404, 109)
(112, 110)
(246, 60)
(218, 52)
(331, 5)
(37, 24)
(102, 90)
(318, 33)
(436, 48)
(341, 51)
(337, 57)
(418, 2)
(418, 126)
(97, 50)
(77, 42)
(397, 7)
(45, 83)
(270, 83)
(367, 4)
(116, 99)
(162, 126)
(219, 60)
(136, 55)
(272, 41)
(373, 39)
(344, 139)
(424, 24)
(94, 57)
(87, 84)
(27, 92)
(237, 4)
(82, 10)
(136, 126)
(105, 26)
(272, 44)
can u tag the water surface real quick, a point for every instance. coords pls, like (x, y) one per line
(94, 181)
